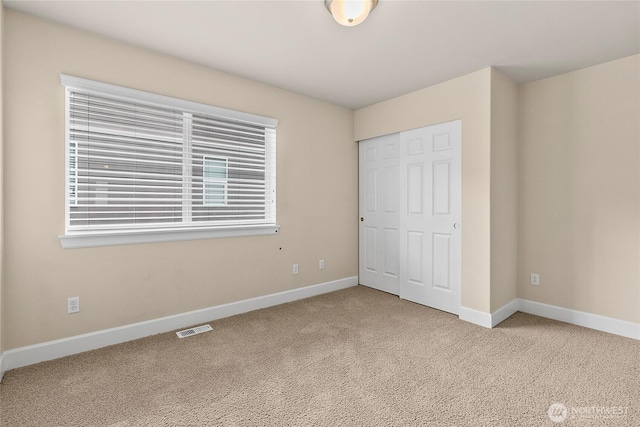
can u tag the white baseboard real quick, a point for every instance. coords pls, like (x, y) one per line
(32, 354)
(581, 318)
(1, 368)
(504, 312)
(476, 317)
(575, 317)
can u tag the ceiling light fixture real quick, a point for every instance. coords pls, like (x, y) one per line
(350, 12)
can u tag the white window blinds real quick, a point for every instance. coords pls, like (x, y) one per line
(138, 161)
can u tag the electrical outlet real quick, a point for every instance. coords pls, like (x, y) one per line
(535, 279)
(294, 269)
(73, 305)
(321, 264)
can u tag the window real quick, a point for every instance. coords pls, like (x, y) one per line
(142, 167)
(215, 181)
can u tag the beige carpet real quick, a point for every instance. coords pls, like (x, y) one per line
(352, 357)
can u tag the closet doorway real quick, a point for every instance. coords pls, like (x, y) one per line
(410, 210)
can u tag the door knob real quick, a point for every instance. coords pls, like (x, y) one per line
(362, 219)
(456, 225)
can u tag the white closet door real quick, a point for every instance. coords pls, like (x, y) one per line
(379, 213)
(410, 209)
(430, 217)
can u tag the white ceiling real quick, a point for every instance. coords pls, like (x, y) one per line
(403, 45)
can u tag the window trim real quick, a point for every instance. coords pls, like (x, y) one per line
(116, 238)
(154, 98)
(82, 239)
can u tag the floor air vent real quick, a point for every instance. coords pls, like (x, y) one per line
(194, 331)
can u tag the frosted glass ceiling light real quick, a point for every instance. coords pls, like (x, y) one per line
(350, 12)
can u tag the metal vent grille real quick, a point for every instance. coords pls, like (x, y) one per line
(194, 331)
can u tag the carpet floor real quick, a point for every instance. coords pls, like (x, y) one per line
(351, 357)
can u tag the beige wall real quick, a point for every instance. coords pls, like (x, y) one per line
(579, 223)
(466, 98)
(504, 189)
(317, 194)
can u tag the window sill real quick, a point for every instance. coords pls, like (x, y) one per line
(117, 238)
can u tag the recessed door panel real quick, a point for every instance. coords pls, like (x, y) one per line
(414, 257)
(371, 192)
(415, 146)
(390, 248)
(414, 188)
(371, 249)
(441, 141)
(371, 153)
(390, 195)
(390, 150)
(441, 254)
(441, 187)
